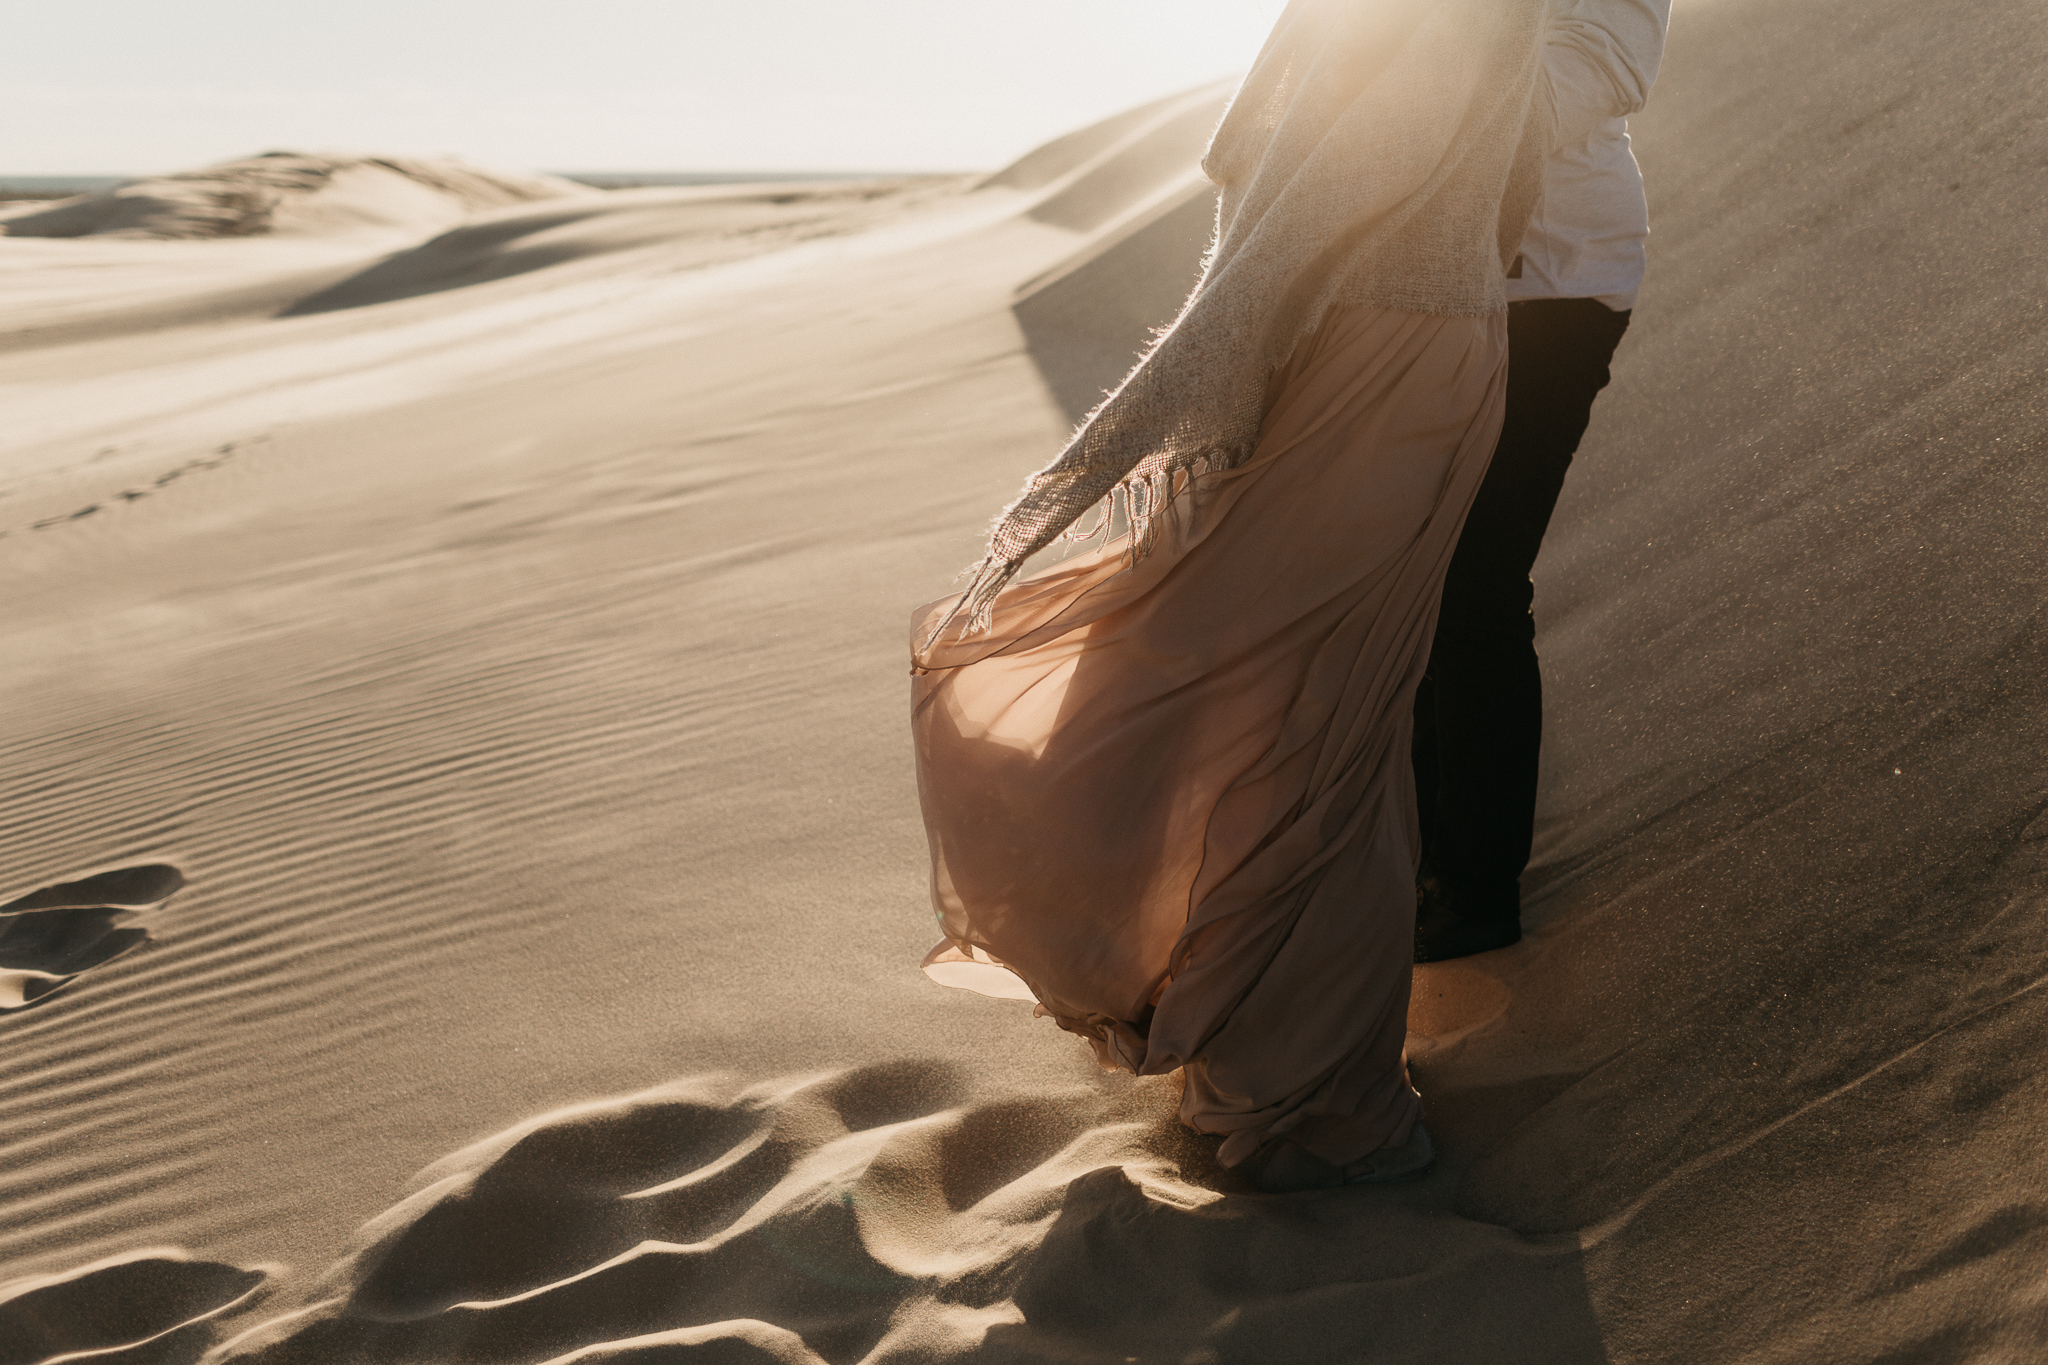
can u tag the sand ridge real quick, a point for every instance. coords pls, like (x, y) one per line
(53, 935)
(834, 1203)
(289, 194)
(154, 1305)
(524, 715)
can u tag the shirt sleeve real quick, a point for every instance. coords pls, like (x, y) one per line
(1600, 58)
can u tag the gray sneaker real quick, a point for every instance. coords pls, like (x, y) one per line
(1281, 1167)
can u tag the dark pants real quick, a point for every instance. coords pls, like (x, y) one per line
(1479, 711)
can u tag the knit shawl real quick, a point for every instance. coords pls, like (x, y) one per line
(1380, 152)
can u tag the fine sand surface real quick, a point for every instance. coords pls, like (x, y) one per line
(463, 882)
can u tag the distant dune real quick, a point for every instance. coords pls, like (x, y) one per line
(289, 193)
(464, 872)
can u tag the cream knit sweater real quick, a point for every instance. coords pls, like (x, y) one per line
(1380, 152)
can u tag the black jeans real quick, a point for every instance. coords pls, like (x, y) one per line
(1479, 711)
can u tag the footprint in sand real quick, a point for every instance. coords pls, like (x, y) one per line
(142, 1308)
(50, 936)
(220, 456)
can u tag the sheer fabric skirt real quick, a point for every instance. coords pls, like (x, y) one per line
(1172, 801)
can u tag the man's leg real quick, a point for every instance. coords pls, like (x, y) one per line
(1479, 711)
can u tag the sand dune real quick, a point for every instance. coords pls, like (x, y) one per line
(1087, 320)
(694, 228)
(504, 642)
(289, 193)
(71, 291)
(1156, 156)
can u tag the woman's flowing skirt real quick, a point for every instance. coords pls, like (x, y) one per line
(1172, 801)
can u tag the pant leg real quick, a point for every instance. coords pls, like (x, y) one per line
(1479, 711)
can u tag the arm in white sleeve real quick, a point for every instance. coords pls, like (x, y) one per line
(1600, 58)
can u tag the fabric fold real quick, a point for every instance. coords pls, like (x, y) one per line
(1171, 800)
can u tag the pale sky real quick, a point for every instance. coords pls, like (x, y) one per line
(109, 87)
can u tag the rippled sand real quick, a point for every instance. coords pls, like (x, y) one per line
(481, 657)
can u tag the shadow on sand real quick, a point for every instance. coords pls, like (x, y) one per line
(888, 1213)
(475, 253)
(50, 937)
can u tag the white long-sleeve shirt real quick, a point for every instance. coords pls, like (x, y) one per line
(1586, 239)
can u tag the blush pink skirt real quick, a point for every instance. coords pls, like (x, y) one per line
(1172, 802)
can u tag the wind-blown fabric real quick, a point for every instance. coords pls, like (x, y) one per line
(1173, 801)
(1379, 153)
(1167, 782)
